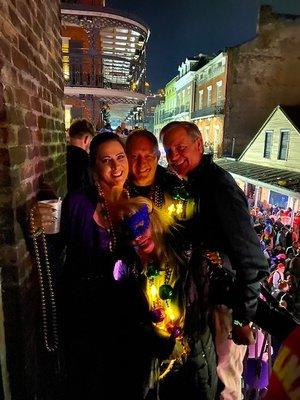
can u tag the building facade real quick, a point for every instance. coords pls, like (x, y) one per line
(104, 61)
(268, 170)
(231, 93)
(208, 104)
(262, 73)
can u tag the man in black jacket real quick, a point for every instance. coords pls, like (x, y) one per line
(222, 222)
(78, 169)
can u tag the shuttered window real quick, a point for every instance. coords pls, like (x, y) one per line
(268, 144)
(283, 145)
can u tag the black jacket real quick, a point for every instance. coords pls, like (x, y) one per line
(78, 168)
(223, 224)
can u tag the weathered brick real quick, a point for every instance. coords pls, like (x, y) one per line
(30, 119)
(24, 136)
(42, 122)
(22, 98)
(35, 103)
(9, 95)
(19, 60)
(10, 32)
(15, 116)
(39, 167)
(7, 136)
(4, 157)
(5, 49)
(46, 109)
(17, 154)
(5, 180)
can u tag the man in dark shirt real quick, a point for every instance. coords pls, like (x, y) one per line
(78, 171)
(222, 224)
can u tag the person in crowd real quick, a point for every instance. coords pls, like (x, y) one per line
(106, 330)
(107, 128)
(81, 133)
(294, 271)
(122, 130)
(222, 223)
(175, 297)
(292, 250)
(278, 225)
(296, 225)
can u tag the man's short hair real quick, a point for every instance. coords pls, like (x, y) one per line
(81, 127)
(141, 133)
(191, 129)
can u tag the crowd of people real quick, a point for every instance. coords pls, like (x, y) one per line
(162, 268)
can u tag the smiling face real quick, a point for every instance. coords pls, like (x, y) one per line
(144, 243)
(143, 158)
(111, 165)
(182, 150)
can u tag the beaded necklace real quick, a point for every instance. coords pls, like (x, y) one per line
(156, 194)
(107, 215)
(160, 293)
(48, 301)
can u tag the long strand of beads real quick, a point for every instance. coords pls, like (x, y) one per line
(111, 230)
(157, 196)
(46, 317)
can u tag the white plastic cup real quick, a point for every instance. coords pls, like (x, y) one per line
(50, 215)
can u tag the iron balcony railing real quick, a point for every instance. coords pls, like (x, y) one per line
(82, 70)
(214, 109)
(203, 76)
(182, 109)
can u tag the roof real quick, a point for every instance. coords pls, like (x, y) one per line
(292, 113)
(284, 179)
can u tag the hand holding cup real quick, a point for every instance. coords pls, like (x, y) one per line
(49, 215)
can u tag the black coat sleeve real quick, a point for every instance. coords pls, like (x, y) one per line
(240, 242)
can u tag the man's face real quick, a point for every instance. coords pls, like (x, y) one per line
(143, 158)
(182, 151)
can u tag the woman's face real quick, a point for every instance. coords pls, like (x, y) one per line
(111, 164)
(144, 244)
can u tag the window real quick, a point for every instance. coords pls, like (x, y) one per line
(208, 96)
(200, 99)
(283, 145)
(268, 144)
(219, 93)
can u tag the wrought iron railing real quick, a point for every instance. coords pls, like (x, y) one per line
(214, 109)
(82, 70)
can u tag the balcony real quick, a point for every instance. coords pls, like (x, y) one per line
(81, 70)
(205, 76)
(214, 109)
(182, 109)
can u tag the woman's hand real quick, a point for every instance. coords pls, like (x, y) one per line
(43, 216)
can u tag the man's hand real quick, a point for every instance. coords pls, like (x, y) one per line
(242, 334)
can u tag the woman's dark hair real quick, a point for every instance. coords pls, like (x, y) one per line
(98, 140)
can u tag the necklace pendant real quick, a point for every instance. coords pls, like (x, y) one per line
(166, 292)
(174, 330)
(152, 271)
(157, 314)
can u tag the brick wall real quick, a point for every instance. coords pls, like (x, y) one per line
(32, 165)
(262, 74)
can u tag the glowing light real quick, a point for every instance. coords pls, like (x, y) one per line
(153, 292)
(171, 209)
(179, 208)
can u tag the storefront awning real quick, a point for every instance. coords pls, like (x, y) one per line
(284, 181)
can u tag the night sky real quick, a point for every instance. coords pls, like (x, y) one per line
(182, 28)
